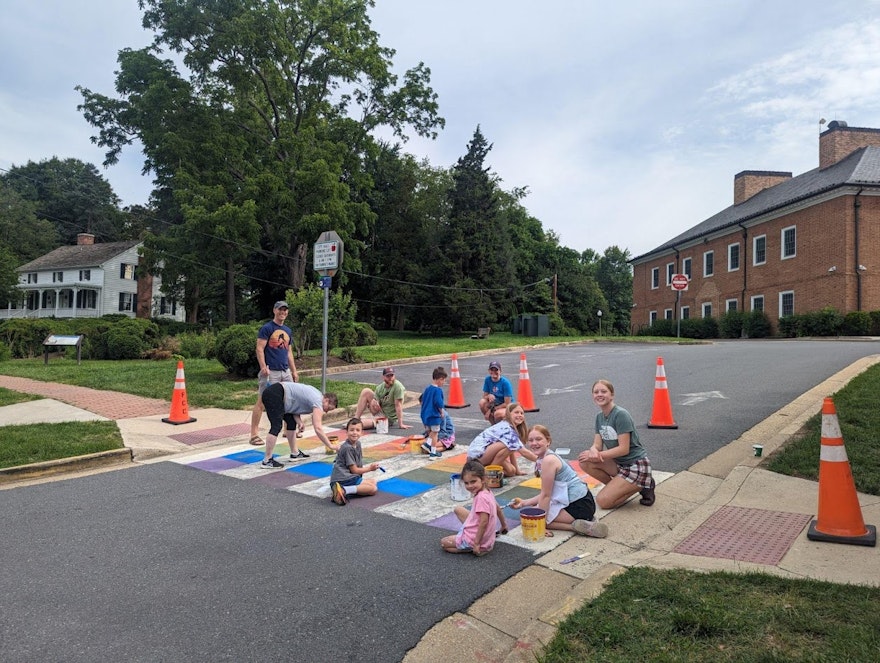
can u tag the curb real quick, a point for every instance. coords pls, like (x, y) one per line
(63, 465)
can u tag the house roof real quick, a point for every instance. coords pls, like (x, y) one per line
(79, 255)
(860, 168)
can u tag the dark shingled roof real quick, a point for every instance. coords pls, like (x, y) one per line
(78, 256)
(861, 168)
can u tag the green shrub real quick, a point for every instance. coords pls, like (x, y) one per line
(306, 319)
(557, 324)
(731, 324)
(788, 326)
(351, 356)
(366, 335)
(235, 348)
(875, 323)
(699, 328)
(131, 338)
(856, 323)
(5, 352)
(756, 324)
(197, 346)
(25, 336)
(662, 327)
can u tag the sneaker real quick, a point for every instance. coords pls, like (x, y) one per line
(299, 454)
(338, 494)
(648, 496)
(427, 448)
(270, 464)
(590, 528)
(435, 454)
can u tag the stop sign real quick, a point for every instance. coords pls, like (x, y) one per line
(680, 281)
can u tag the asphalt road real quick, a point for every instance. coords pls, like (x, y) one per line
(718, 390)
(166, 563)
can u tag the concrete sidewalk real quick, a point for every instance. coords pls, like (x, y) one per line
(689, 527)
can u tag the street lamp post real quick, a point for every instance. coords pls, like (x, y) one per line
(599, 313)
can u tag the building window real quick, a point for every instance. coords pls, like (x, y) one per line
(653, 317)
(57, 277)
(667, 314)
(33, 300)
(732, 257)
(32, 277)
(789, 242)
(87, 299)
(758, 303)
(655, 278)
(685, 312)
(670, 270)
(707, 310)
(48, 299)
(126, 301)
(128, 272)
(759, 250)
(730, 304)
(708, 263)
(786, 303)
(686, 267)
(167, 306)
(85, 275)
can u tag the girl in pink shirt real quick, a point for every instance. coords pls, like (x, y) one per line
(477, 533)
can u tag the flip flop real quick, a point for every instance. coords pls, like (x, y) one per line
(256, 440)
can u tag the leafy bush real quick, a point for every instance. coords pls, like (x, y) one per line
(788, 326)
(306, 319)
(25, 336)
(756, 324)
(659, 328)
(235, 350)
(5, 352)
(131, 338)
(557, 324)
(875, 323)
(699, 328)
(731, 324)
(350, 355)
(366, 335)
(856, 323)
(197, 346)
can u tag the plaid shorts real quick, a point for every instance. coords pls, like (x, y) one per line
(638, 473)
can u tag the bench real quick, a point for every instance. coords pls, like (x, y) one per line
(482, 332)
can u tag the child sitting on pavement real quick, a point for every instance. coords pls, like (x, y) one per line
(347, 477)
(479, 525)
(432, 411)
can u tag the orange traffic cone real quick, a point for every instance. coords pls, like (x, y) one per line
(661, 416)
(179, 408)
(840, 515)
(524, 388)
(456, 391)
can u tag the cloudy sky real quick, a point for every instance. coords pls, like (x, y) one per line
(627, 121)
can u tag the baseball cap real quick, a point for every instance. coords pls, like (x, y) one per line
(280, 305)
(494, 364)
(387, 371)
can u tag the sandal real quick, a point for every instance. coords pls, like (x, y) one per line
(648, 494)
(256, 440)
(300, 431)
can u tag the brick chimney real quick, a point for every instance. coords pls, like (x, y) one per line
(749, 182)
(839, 141)
(85, 239)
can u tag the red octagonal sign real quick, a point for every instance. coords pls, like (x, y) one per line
(680, 281)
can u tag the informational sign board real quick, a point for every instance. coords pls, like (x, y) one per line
(680, 281)
(327, 253)
(57, 340)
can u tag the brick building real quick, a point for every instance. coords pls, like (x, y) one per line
(786, 245)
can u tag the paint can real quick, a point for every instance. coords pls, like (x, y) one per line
(494, 476)
(382, 425)
(533, 523)
(456, 486)
(415, 443)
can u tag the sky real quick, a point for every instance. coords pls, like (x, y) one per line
(627, 121)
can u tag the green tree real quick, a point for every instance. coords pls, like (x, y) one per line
(278, 109)
(22, 233)
(72, 195)
(614, 275)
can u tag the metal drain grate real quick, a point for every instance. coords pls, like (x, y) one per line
(747, 535)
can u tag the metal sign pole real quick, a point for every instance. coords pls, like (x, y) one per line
(324, 343)
(678, 313)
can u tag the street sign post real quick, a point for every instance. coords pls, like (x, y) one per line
(327, 259)
(679, 282)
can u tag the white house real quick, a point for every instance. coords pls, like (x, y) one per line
(89, 280)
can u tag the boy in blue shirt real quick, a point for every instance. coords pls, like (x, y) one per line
(433, 411)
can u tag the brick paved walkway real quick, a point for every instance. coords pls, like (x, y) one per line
(110, 404)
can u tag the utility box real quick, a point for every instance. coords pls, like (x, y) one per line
(536, 325)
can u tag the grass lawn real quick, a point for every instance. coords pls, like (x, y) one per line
(9, 397)
(22, 445)
(651, 615)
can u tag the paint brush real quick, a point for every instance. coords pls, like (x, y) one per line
(574, 559)
(382, 469)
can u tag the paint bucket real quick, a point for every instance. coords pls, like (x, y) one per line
(494, 476)
(382, 425)
(415, 443)
(533, 523)
(456, 486)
